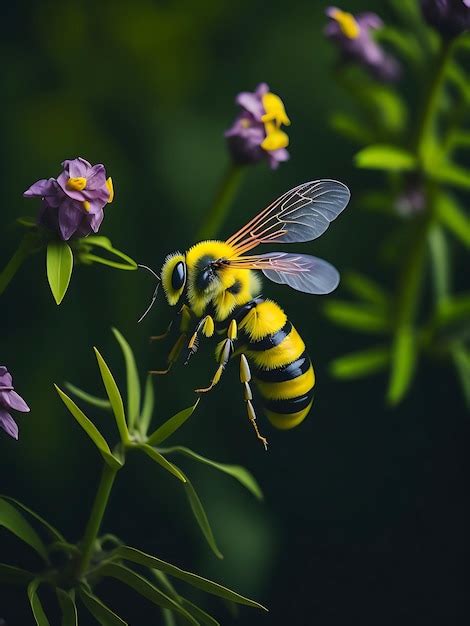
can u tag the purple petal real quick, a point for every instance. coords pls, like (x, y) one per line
(70, 215)
(252, 103)
(275, 157)
(96, 177)
(8, 424)
(331, 11)
(96, 220)
(40, 188)
(76, 168)
(12, 400)
(5, 377)
(369, 20)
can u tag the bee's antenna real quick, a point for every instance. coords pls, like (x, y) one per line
(154, 296)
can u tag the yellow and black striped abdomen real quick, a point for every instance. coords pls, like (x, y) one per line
(281, 367)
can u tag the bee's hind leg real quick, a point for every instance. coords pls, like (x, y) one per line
(173, 355)
(245, 377)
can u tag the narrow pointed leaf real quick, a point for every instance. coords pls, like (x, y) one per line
(36, 606)
(366, 289)
(144, 588)
(453, 217)
(451, 174)
(358, 364)
(403, 362)
(59, 268)
(105, 243)
(100, 611)
(53, 531)
(201, 517)
(461, 358)
(90, 429)
(385, 157)
(171, 425)
(10, 574)
(141, 558)
(12, 520)
(100, 403)
(236, 471)
(357, 317)
(201, 616)
(161, 460)
(132, 375)
(68, 608)
(86, 257)
(168, 617)
(114, 396)
(147, 408)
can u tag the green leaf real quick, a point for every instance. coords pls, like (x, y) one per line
(366, 289)
(144, 588)
(10, 574)
(461, 358)
(100, 611)
(171, 425)
(53, 531)
(36, 606)
(385, 157)
(201, 517)
(90, 429)
(160, 459)
(201, 616)
(141, 558)
(59, 268)
(85, 257)
(68, 608)
(114, 397)
(100, 403)
(449, 173)
(350, 127)
(133, 382)
(12, 520)
(357, 316)
(454, 309)
(147, 408)
(403, 362)
(404, 43)
(450, 214)
(358, 364)
(236, 471)
(29, 244)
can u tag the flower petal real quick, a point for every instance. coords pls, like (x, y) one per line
(40, 188)
(70, 215)
(15, 401)
(8, 424)
(5, 377)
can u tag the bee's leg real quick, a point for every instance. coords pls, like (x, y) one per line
(245, 377)
(225, 353)
(205, 326)
(163, 335)
(185, 318)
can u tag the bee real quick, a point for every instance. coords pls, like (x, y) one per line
(217, 287)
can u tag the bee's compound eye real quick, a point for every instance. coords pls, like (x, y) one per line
(178, 277)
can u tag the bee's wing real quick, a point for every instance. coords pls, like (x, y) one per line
(301, 214)
(300, 271)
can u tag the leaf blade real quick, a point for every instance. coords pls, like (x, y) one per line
(385, 157)
(162, 461)
(403, 362)
(35, 602)
(358, 364)
(357, 317)
(148, 405)
(114, 396)
(10, 574)
(103, 614)
(12, 520)
(59, 265)
(68, 608)
(53, 531)
(100, 403)
(90, 429)
(171, 425)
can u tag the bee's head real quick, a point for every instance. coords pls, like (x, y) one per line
(174, 277)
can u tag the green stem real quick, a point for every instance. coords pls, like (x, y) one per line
(96, 517)
(25, 248)
(225, 194)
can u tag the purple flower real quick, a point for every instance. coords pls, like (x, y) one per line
(353, 35)
(256, 133)
(9, 400)
(449, 17)
(72, 204)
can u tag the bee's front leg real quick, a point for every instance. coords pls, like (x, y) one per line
(224, 355)
(205, 326)
(185, 318)
(245, 378)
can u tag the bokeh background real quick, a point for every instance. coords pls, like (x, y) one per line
(362, 521)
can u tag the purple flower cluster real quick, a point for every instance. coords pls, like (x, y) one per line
(449, 17)
(73, 203)
(353, 36)
(256, 133)
(9, 400)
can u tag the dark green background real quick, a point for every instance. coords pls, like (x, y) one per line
(362, 520)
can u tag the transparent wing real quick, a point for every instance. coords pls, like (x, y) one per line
(300, 271)
(301, 214)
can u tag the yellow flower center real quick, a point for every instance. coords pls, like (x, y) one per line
(76, 184)
(109, 185)
(347, 23)
(275, 138)
(86, 205)
(274, 110)
(245, 123)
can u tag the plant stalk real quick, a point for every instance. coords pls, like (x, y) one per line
(222, 201)
(96, 517)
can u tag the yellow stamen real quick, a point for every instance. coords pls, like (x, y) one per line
(274, 110)
(347, 22)
(275, 138)
(76, 184)
(109, 185)
(245, 123)
(86, 205)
